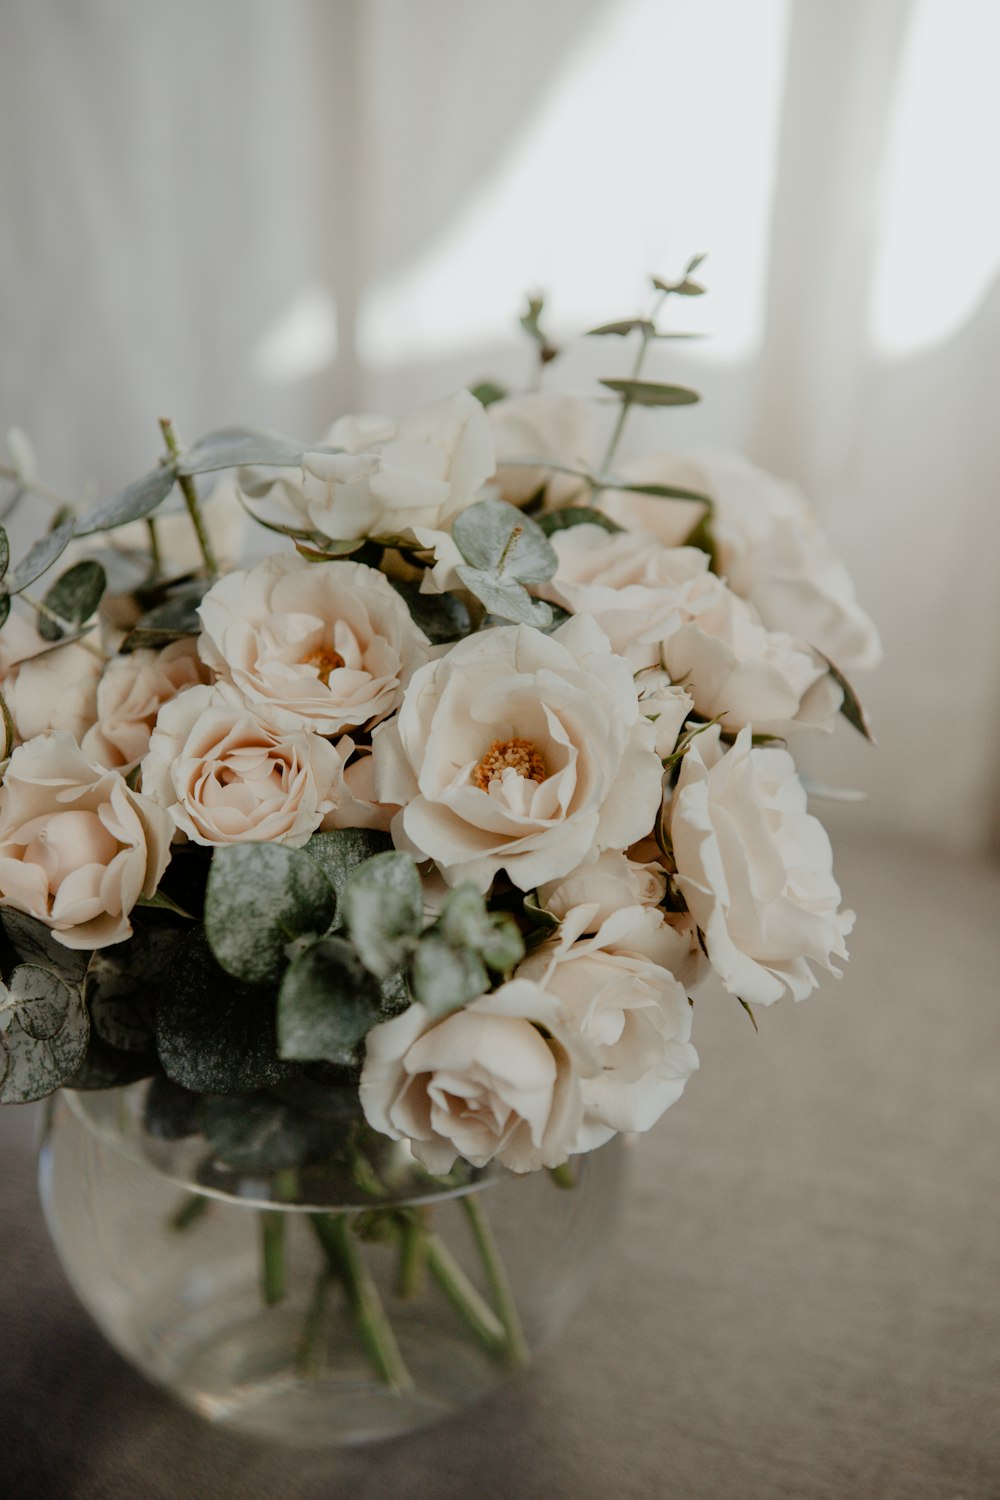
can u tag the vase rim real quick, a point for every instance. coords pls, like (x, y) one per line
(113, 1117)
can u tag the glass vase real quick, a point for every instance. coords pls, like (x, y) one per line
(315, 1308)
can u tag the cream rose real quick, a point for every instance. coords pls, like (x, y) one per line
(771, 549)
(77, 846)
(56, 689)
(325, 646)
(521, 752)
(539, 425)
(393, 481)
(226, 776)
(755, 869)
(607, 883)
(617, 992)
(130, 694)
(666, 705)
(483, 1083)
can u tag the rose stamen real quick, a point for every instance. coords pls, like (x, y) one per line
(325, 660)
(520, 755)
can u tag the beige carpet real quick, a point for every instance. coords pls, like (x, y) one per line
(804, 1301)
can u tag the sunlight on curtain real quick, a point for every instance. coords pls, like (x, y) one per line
(940, 230)
(657, 139)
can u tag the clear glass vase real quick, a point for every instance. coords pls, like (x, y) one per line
(315, 1308)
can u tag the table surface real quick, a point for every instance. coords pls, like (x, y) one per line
(804, 1299)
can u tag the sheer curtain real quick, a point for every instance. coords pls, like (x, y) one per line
(247, 211)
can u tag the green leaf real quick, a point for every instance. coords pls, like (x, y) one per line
(695, 262)
(170, 1113)
(625, 326)
(659, 491)
(74, 597)
(215, 1035)
(851, 707)
(507, 601)
(228, 447)
(39, 558)
(4, 553)
(329, 550)
(465, 922)
(122, 983)
(260, 1134)
(749, 1010)
(540, 920)
(442, 617)
(649, 393)
(104, 1067)
(339, 851)
(43, 1034)
(488, 391)
(498, 538)
(383, 911)
(133, 503)
(260, 898)
(4, 608)
(327, 1004)
(576, 515)
(176, 617)
(444, 978)
(34, 944)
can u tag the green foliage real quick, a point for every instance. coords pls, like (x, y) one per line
(382, 907)
(33, 943)
(505, 601)
(259, 900)
(465, 922)
(851, 707)
(215, 1035)
(442, 617)
(105, 1067)
(40, 557)
(451, 965)
(327, 1004)
(338, 853)
(74, 597)
(43, 1034)
(133, 503)
(260, 1133)
(576, 515)
(503, 550)
(529, 321)
(623, 327)
(445, 978)
(177, 616)
(489, 391)
(650, 393)
(229, 447)
(4, 554)
(170, 1113)
(121, 985)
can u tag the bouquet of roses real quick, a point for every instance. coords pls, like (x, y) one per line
(438, 811)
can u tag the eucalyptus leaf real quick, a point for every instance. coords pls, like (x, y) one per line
(34, 943)
(229, 447)
(851, 707)
(649, 393)
(215, 1035)
(507, 601)
(383, 910)
(43, 1034)
(498, 538)
(169, 621)
(329, 550)
(122, 984)
(4, 553)
(105, 1067)
(327, 1004)
(74, 597)
(260, 898)
(133, 503)
(465, 922)
(260, 1133)
(576, 515)
(658, 491)
(442, 617)
(4, 608)
(339, 851)
(489, 391)
(40, 557)
(444, 978)
(170, 1112)
(621, 328)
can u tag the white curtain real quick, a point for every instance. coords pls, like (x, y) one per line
(275, 212)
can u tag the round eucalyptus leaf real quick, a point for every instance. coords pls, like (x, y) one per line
(260, 898)
(43, 1034)
(327, 1004)
(74, 597)
(383, 910)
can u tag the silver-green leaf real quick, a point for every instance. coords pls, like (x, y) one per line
(43, 1034)
(383, 911)
(39, 558)
(133, 503)
(229, 447)
(327, 1004)
(507, 601)
(259, 900)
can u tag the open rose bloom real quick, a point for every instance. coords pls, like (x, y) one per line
(464, 793)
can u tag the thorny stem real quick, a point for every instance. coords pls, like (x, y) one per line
(190, 493)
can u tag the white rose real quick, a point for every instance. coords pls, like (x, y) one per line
(607, 883)
(55, 690)
(355, 804)
(666, 704)
(226, 776)
(77, 846)
(391, 483)
(325, 646)
(130, 694)
(538, 425)
(521, 752)
(660, 606)
(617, 992)
(771, 549)
(482, 1083)
(755, 869)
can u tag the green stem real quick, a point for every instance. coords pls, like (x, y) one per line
(188, 1212)
(9, 732)
(470, 1306)
(156, 556)
(190, 493)
(309, 1359)
(374, 1329)
(67, 627)
(647, 333)
(518, 1352)
(272, 1259)
(562, 1175)
(411, 1255)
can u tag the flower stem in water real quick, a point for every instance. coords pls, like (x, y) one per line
(272, 1263)
(518, 1353)
(188, 1212)
(374, 1328)
(470, 1306)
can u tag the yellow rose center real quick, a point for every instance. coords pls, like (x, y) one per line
(325, 661)
(520, 755)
